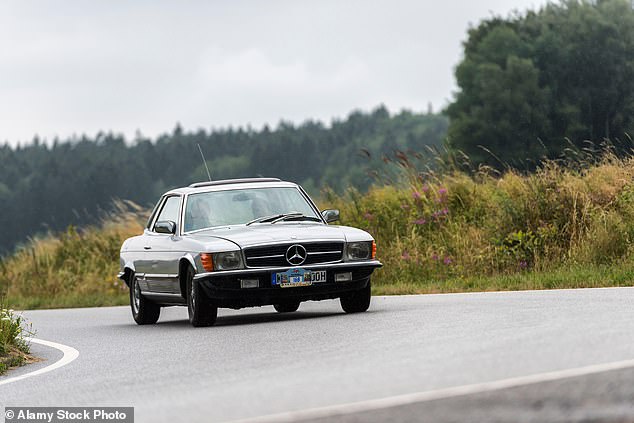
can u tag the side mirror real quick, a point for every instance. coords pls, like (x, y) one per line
(330, 215)
(165, 227)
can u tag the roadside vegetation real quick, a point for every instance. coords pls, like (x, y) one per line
(14, 349)
(76, 268)
(545, 198)
(570, 224)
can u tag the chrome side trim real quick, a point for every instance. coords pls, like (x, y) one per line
(369, 263)
(165, 298)
(143, 285)
(162, 294)
(160, 276)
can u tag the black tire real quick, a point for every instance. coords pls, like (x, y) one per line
(144, 311)
(357, 301)
(202, 312)
(286, 307)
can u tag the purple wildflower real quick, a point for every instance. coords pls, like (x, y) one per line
(442, 191)
(445, 211)
(447, 260)
(416, 195)
(405, 255)
(435, 257)
(523, 264)
(425, 188)
(420, 221)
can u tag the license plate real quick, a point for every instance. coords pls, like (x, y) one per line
(298, 277)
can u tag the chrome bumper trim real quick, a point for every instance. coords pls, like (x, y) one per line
(352, 264)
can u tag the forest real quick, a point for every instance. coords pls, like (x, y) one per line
(46, 186)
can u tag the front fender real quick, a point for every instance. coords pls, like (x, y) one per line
(127, 267)
(191, 261)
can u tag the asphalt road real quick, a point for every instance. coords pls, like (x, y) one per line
(256, 362)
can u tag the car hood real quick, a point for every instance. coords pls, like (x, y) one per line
(246, 236)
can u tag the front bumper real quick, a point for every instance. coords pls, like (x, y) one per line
(224, 287)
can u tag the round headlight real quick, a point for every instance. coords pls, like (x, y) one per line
(228, 261)
(360, 250)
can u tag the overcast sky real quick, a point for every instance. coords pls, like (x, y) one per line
(72, 67)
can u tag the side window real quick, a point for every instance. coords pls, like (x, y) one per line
(154, 212)
(170, 210)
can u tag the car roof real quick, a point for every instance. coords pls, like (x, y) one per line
(226, 184)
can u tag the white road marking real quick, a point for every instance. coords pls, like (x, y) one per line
(70, 354)
(456, 391)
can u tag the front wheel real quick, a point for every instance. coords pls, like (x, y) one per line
(287, 307)
(202, 312)
(144, 311)
(357, 301)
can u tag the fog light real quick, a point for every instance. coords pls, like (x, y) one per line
(343, 277)
(249, 283)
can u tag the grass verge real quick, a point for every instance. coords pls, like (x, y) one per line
(14, 349)
(588, 276)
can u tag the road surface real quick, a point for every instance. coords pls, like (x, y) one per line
(407, 359)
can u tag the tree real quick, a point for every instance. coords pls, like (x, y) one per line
(529, 82)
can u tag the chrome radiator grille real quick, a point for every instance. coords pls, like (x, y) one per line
(275, 255)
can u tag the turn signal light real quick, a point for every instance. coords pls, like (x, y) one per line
(207, 260)
(373, 250)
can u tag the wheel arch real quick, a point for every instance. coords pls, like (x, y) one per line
(183, 264)
(128, 270)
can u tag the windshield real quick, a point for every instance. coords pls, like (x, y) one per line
(241, 206)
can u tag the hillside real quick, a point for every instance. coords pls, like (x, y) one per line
(47, 187)
(562, 227)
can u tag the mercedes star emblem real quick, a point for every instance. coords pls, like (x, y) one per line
(296, 255)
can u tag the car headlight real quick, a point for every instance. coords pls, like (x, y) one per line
(230, 260)
(365, 250)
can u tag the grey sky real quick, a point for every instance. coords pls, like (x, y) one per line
(72, 67)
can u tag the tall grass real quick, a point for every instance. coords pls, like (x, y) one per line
(568, 224)
(74, 268)
(455, 230)
(14, 349)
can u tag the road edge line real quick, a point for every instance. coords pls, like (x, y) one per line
(70, 354)
(438, 394)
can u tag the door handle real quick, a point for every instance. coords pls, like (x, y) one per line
(147, 247)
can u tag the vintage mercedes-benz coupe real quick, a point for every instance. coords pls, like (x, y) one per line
(243, 243)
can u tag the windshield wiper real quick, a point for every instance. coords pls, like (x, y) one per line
(296, 216)
(265, 218)
(283, 216)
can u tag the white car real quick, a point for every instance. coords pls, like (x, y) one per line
(243, 243)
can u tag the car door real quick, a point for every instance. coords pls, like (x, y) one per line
(161, 250)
